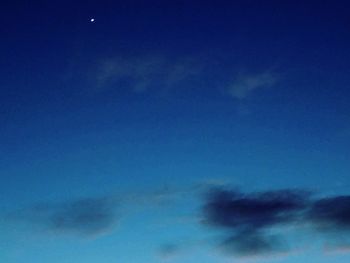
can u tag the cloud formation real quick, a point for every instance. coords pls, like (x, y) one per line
(168, 250)
(85, 217)
(161, 73)
(252, 211)
(249, 224)
(245, 84)
(142, 73)
(252, 243)
(253, 223)
(90, 217)
(331, 214)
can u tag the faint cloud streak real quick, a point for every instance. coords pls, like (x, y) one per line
(245, 84)
(145, 72)
(88, 217)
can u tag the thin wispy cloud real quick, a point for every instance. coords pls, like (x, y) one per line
(245, 84)
(169, 250)
(88, 217)
(253, 244)
(142, 73)
(163, 74)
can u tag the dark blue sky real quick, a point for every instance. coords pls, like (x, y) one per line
(160, 97)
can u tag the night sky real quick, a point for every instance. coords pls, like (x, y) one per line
(174, 131)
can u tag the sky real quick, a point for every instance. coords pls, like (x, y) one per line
(174, 131)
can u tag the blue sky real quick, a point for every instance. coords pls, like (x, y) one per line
(114, 134)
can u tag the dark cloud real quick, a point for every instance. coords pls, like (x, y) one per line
(84, 217)
(250, 221)
(253, 211)
(331, 214)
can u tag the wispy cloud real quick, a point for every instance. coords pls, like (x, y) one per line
(245, 84)
(85, 217)
(161, 73)
(145, 72)
(169, 250)
(252, 244)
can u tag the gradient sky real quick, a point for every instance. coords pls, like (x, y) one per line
(113, 131)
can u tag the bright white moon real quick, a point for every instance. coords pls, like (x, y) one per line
(92, 20)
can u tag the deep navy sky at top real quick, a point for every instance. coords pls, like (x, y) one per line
(48, 48)
(38, 39)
